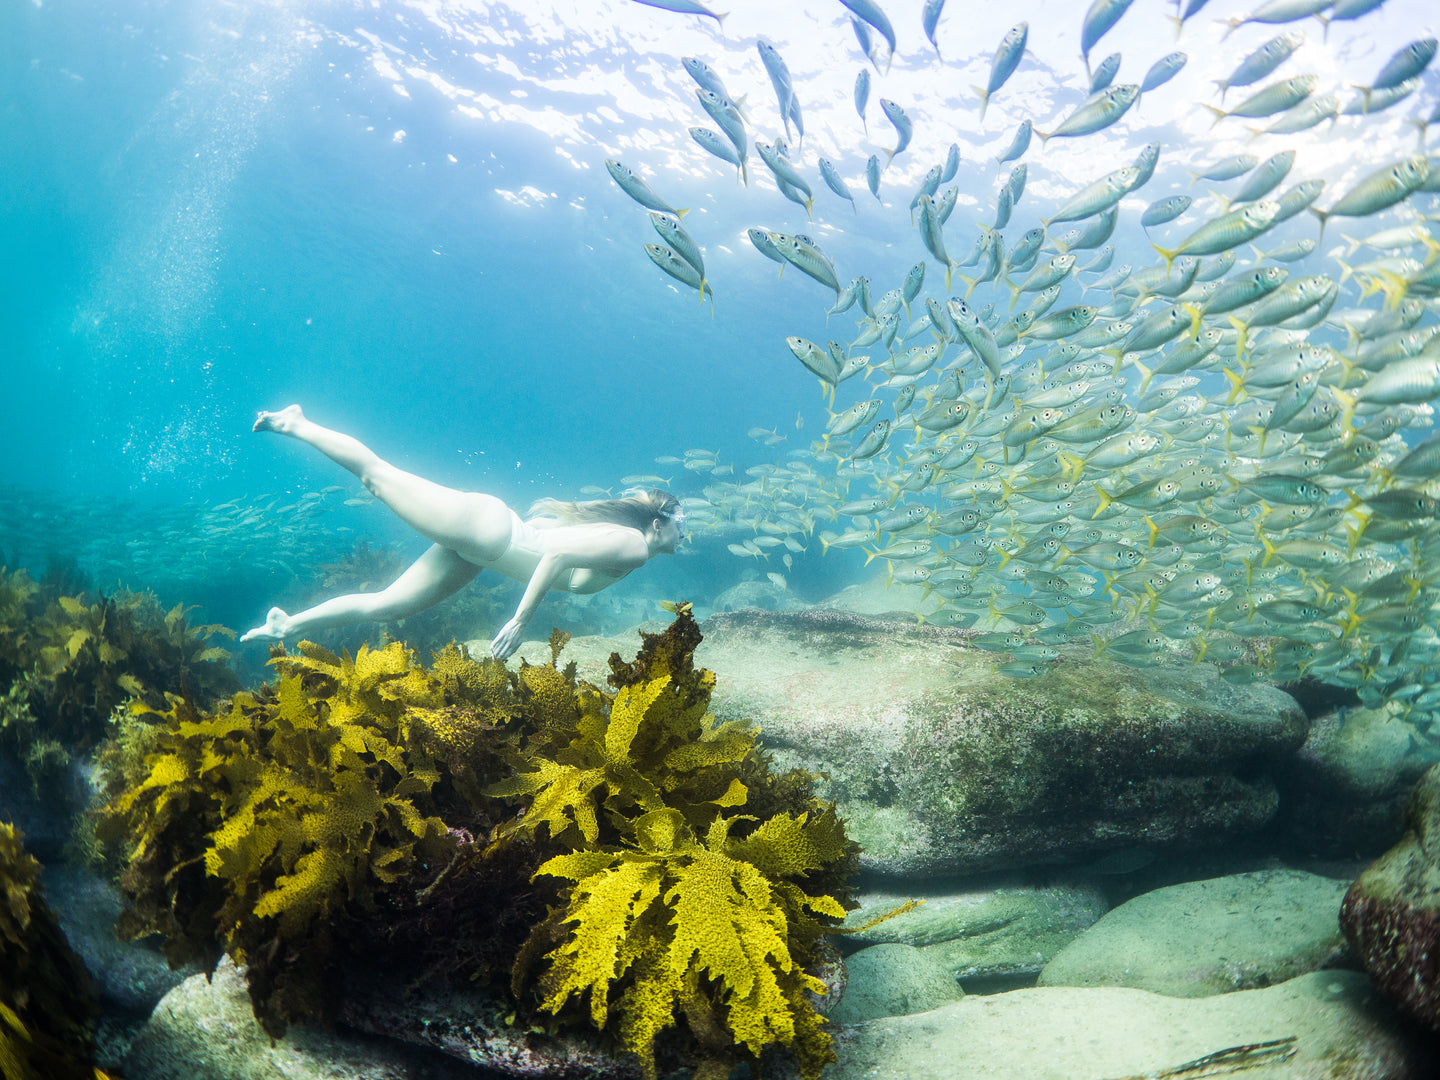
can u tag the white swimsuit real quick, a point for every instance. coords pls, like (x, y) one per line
(523, 555)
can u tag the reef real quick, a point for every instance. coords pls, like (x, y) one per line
(617, 857)
(67, 662)
(47, 1002)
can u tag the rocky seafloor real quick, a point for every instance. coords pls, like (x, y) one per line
(1125, 871)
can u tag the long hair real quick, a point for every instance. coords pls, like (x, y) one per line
(636, 508)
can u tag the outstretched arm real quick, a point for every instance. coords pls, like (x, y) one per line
(614, 549)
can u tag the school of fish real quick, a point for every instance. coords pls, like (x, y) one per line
(1203, 455)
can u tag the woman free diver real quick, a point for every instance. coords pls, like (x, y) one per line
(578, 547)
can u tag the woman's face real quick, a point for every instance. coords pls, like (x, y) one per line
(667, 534)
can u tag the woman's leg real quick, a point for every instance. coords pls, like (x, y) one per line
(434, 576)
(475, 526)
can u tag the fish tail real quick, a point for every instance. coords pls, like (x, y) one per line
(1219, 114)
(810, 213)
(1168, 255)
(1195, 316)
(869, 555)
(1394, 287)
(1105, 501)
(984, 100)
(1324, 216)
(1075, 465)
(970, 283)
(1244, 329)
(949, 269)
(1044, 138)
(1225, 201)
(720, 18)
(1354, 532)
(1262, 432)
(1145, 375)
(1154, 599)
(1231, 25)
(1350, 251)
(1237, 385)
(680, 213)
(1270, 551)
(1347, 416)
(744, 174)
(1154, 531)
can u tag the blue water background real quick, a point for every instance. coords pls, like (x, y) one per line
(207, 209)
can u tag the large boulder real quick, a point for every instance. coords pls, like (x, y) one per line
(130, 976)
(894, 980)
(1000, 932)
(1200, 938)
(1340, 1030)
(941, 766)
(205, 1028)
(1391, 914)
(1344, 792)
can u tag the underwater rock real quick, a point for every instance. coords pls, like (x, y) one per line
(1345, 790)
(1241, 932)
(472, 1026)
(1012, 930)
(942, 766)
(208, 1029)
(1342, 1029)
(894, 980)
(1391, 914)
(762, 595)
(130, 976)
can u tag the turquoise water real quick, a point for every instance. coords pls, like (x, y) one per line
(398, 216)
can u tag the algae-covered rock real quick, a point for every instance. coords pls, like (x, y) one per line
(1391, 913)
(893, 980)
(1005, 931)
(1241, 932)
(47, 1006)
(940, 765)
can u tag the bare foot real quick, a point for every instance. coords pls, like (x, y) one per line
(276, 622)
(281, 421)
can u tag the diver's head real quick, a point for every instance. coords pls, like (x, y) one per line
(666, 527)
(654, 513)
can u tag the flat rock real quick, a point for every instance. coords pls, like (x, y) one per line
(893, 980)
(1241, 932)
(1009, 930)
(1342, 1031)
(206, 1029)
(941, 766)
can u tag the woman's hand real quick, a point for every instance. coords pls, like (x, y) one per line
(507, 640)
